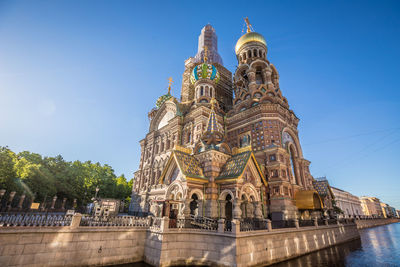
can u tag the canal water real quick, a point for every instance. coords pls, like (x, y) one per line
(378, 246)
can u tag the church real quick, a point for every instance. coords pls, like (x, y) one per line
(229, 147)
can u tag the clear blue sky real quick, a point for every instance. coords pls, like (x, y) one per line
(77, 78)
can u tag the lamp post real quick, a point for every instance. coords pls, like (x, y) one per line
(2, 192)
(97, 191)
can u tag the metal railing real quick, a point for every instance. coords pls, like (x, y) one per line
(194, 222)
(228, 226)
(251, 224)
(283, 224)
(34, 219)
(114, 221)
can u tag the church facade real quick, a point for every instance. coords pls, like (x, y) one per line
(229, 147)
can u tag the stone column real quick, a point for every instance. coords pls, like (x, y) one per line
(237, 212)
(63, 203)
(186, 209)
(257, 210)
(326, 221)
(200, 207)
(54, 202)
(252, 80)
(222, 204)
(250, 210)
(164, 224)
(12, 194)
(315, 222)
(21, 200)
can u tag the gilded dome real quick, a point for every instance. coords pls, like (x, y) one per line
(205, 71)
(162, 99)
(247, 38)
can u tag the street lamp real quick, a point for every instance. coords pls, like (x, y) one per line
(97, 190)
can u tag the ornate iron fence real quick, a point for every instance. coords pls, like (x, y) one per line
(283, 224)
(194, 222)
(303, 223)
(114, 221)
(228, 226)
(34, 219)
(250, 224)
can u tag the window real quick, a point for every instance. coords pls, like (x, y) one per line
(272, 157)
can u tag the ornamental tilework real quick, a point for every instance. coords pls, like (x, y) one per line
(189, 165)
(322, 187)
(235, 165)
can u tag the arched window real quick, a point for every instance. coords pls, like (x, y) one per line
(255, 53)
(168, 144)
(162, 147)
(189, 137)
(157, 147)
(201, 90)
(293, 164)
(259, 77)
(244, 56)
(249, 53)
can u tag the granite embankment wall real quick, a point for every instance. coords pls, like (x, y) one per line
(90, 246)
(62, 246)
(361, 224)
(263, 247)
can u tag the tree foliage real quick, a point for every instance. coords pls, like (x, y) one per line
(44, 177)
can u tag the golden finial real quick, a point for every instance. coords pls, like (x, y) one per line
(205, 55)
(213, 102)
(170, 81)
(248, 24)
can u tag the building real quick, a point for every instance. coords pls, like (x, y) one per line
(371, 206)
(321, 185)
(347, 202)
(229, 147)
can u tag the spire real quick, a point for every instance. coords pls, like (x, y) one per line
(214, 133)
(208, 38)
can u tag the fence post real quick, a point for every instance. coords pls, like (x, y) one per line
(76, 221)
(235, 226)
(296, 223)
(221, 225)
(269, 225)
(315, 222)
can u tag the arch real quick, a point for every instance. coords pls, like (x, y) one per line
(255, 54)
(196, 191)
(267, 100)
(295, 140)
(249, 53)
(225, 148)
(224, 193)
(173, 189)
(258, 63)
(249, 190)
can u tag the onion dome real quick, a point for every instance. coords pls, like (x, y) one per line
(162, 99)
(205, 71)
(249, 37)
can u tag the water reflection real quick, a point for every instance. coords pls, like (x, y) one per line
(379, 246)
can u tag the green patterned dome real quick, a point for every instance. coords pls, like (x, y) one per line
(205, 71)
(162, 99)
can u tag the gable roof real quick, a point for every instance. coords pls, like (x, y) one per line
(236, 165)
(187, 164)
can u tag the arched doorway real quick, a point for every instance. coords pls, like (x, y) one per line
(228, 207)
(194, 206)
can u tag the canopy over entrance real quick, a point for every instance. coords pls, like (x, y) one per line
(308, 200)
